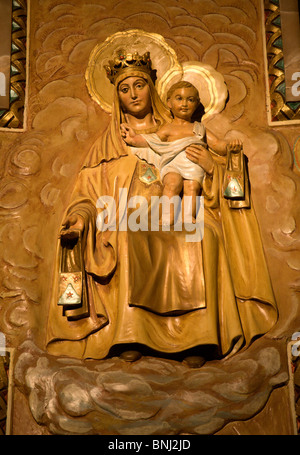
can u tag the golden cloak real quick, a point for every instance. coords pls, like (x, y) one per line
(154, 288)
(238, 298)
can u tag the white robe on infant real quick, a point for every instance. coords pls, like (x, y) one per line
(171, 156)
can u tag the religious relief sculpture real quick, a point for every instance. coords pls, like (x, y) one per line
(179, 168)
(126, 282)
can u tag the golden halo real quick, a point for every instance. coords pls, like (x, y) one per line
(209, 83)
(162, 55)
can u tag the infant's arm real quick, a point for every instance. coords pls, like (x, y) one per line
(164, 132)
(217, 145)
(131, 138)
(220, 146)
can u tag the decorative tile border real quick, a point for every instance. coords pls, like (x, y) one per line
(12, 119)
(280, 112)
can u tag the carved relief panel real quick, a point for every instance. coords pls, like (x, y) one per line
(39, 168)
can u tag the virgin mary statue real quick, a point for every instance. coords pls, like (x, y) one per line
(152, 290)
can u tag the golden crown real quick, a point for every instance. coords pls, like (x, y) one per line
(124, 60)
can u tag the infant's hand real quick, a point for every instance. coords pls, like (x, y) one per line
(235, 146)
(127, 133)
(131, 138)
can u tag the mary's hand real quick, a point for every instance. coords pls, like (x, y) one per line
(72, 226)
(200, 155)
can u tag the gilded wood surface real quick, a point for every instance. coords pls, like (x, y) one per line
(39, 166)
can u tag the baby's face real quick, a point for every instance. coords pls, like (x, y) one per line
(183, 103)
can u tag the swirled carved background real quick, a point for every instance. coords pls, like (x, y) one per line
(39, 166)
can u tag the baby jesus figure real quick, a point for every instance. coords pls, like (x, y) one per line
(173, 142)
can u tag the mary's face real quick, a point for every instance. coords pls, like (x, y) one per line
(134, 95)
